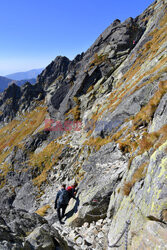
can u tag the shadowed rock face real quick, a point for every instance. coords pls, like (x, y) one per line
(109, 134)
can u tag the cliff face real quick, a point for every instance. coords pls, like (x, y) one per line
(107, 130)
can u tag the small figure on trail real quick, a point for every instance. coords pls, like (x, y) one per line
(61, 203)
(62, 199)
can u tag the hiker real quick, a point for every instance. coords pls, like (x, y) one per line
(62, 200)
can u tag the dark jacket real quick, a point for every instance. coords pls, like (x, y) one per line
(63, 197)
(58, 196)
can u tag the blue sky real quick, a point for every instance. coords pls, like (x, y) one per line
(34, 32)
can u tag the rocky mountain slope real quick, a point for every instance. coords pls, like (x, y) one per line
(100, 120)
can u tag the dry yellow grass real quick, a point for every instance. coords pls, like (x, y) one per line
(45, 160)
(149, 50)
(97, 142)
(127, 188)
(78, 171)
(146, 113)
(127, 143)
(75, 112)
(159, 137)
(98, 59)
(148, 141)
(125, 147)
(15, 132)
(118, 134)
(42, 211)
(90, 89)
(76, 100)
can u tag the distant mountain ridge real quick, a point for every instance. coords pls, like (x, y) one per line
(25, 75)
(19, 78)
(5, 82)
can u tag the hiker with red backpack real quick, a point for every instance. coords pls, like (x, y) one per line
(62, 199)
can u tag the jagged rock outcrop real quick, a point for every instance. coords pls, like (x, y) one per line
(57, 68)
(15, 99)
(108, 132)
(21, 230)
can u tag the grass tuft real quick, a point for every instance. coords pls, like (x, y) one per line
(42, 211)
(97, 142)
(98, 59)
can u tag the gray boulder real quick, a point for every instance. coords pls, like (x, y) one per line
(25, 198)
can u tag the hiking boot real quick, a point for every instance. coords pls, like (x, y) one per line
(61, 222)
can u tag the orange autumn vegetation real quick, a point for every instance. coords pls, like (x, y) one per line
(146, 113)
(45, 160)
(97, 142)
(13, 133)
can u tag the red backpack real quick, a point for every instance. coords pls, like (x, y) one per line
(70, 188)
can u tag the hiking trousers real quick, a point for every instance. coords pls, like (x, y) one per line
(61, 211)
